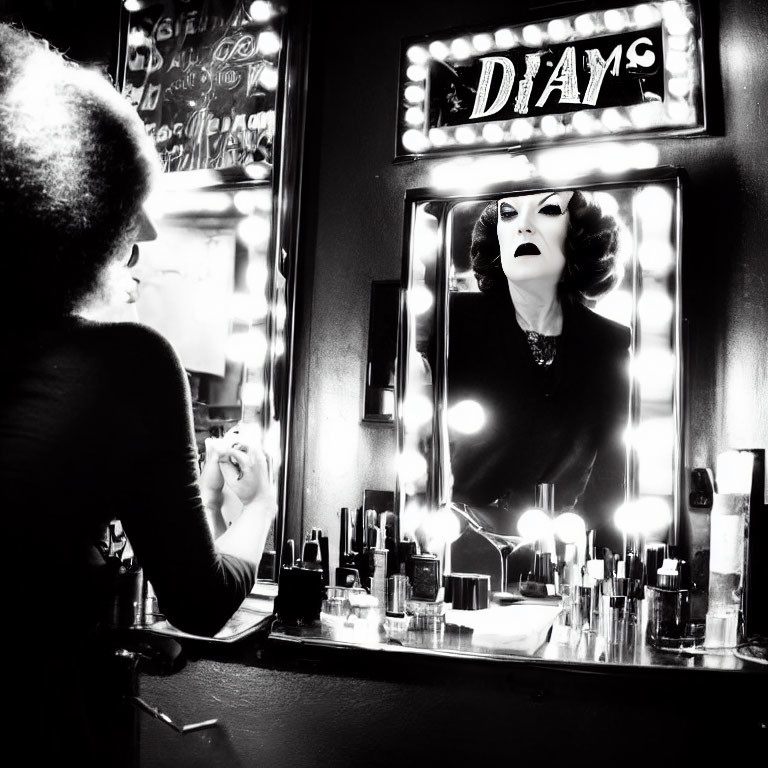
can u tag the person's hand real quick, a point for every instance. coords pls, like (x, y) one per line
(211, 479)
(243, 464)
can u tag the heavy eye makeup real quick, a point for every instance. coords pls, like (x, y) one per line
(507, 211)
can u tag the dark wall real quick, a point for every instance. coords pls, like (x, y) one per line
(86, 30)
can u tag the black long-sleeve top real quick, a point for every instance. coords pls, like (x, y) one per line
(561, 424)
(96, 424)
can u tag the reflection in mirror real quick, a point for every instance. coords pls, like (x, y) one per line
(382, 350)
(539, 410)
(208, 284)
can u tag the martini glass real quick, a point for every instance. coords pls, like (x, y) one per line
(505, 544)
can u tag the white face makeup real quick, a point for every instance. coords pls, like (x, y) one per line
(532, 231)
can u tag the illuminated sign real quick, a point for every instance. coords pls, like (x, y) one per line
(624, 71)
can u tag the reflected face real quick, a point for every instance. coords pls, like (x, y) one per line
(532, 230)
(129, 278)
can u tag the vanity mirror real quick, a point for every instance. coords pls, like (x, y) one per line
(220, 86)
(571, 436)
(538, 475)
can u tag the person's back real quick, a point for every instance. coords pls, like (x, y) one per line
(95, 419)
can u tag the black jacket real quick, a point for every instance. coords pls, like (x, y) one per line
(561, 425)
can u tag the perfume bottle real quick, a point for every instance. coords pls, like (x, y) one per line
(668, 607)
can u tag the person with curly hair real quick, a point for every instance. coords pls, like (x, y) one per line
(550, 374)
(95, 418)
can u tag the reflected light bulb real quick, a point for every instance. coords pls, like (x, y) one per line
(570, 528)
(268, 43)
(534, 524)
(643, 516)
(654, 370)
(252, 393)
(467, 417)
(411, 518)
(248, 308)
(260, 10)
(411, 466)
(440, 527)
(268, 78)
(249, 347)
(417, 410)
(655, 309)
(254, 230)
(421, 299)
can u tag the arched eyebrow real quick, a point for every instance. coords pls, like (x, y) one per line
(551, 194)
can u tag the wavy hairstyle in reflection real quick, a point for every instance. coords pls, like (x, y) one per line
(592, 264)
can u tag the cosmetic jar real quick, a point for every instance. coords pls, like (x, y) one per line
(426, 616)
(668, 610)
(467, 591)
(300, 594)
(423, 572)
(397, 594)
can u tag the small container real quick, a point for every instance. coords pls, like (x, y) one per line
(581, 607)
(617, 620)
(396, 627)
(300, 594)
(423, 572)
(468, 591)
(397, 594)
(128, 599)
(426, 616)
(668, 607)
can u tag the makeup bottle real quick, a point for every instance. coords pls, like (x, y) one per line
(311, 557)
(668, 606)
(544, 499)
(300, 594)
(397, 621)
(378, 560)
(288, 554)
(729, 521)
(423, 573)
(347, 574)
(405, 550)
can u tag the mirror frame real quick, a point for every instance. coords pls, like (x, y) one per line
(436, 484)
(285, 183)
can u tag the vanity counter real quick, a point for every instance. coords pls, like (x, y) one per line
(295, 700)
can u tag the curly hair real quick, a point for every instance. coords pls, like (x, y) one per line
(75, 167)
(591, 251)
